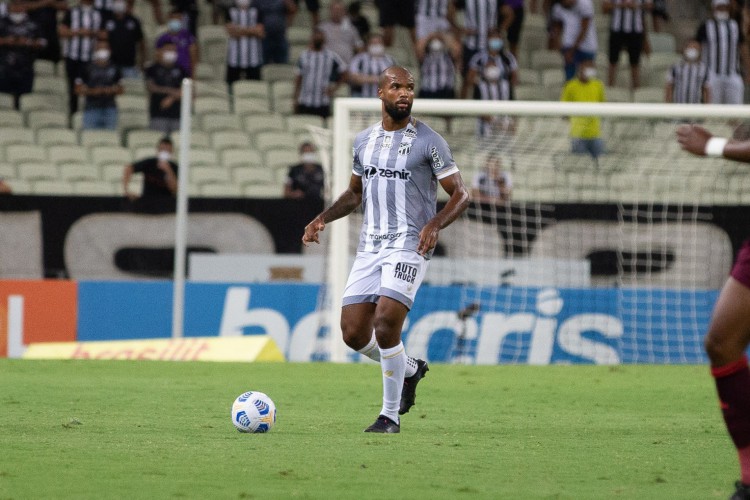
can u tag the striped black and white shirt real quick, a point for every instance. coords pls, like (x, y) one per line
(480, 16)
(246, 51)
(318, 70)
(688, 81)
(624, 20)
(366, 64)
(497, 90)
(721, 41)
(3, 9)
(80, 48)
(432, 8)
(437, 72)
(104, 5)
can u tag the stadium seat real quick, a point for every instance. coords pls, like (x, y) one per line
(279, 72)
(260, 174)
(530, 93)
(618, 94)
(43, 67)
(216, 51)
(223, 139)
(56, 136)
(251, 88)
(649, 94)
(51, 187)
(553, 79)
(263, 191)
(203, 158)
(281, 159)
(33, 171)
(282, 91)
(206, 72)
(253, 124)
(209, 175)
(299, 123)
(17, 153)
(10, 118)
(211, 104)
(94, 188)
(131, 120)
(46, 84)
(662, 42)
(39, 118)
(105, 155)
(42, 102)
(8, 171)
(198, 139)
(79, 172)
(221, 191)
(6, 103)
(298, 35)
(77, 121)
(127, 102)
(251, 105)
(111, 173)
(211, 122)
(91, 138)
(68, 154)
(546, 59)
(143, 137)
(208, 32)
(134, 86)
(20, 186)
(11, 135)
(528, 77)
(241, 158)
(266, 141)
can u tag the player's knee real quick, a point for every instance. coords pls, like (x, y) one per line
(387, 329)
(721, 349)
(353, 335)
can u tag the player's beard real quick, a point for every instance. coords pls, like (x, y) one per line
(397, 114)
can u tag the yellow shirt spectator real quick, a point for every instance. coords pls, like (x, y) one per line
(576, 90)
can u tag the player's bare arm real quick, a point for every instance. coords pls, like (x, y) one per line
(343, 206)
(699, 141)
(458, 202)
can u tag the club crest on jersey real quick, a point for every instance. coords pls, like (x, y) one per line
(405, 272)
(437, 161)
(387, 142)
(404, 148)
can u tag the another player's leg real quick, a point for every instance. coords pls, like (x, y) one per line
(389, 319)
(726, 342)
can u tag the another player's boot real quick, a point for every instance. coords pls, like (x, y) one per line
(741, 493)
(409, 391)
(384, 425)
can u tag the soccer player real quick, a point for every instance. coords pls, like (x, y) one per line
(398, 163)
(729, 331)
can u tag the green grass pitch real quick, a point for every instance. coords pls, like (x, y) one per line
(98, 429)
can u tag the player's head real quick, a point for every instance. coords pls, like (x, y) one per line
(317, 39)
(692, 50)
(396, 91)
(586, 71)
(375, 44)
(721, 9)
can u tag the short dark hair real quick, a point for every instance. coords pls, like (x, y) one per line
(165, 140)
(306, 144)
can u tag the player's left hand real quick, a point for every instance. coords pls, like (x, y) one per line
(428, 237)
(693, 138)
(312, 230)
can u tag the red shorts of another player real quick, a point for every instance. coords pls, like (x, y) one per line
(741, 269)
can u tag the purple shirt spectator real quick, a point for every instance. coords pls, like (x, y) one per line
(182, 39)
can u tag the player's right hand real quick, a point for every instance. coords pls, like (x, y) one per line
(312, 230)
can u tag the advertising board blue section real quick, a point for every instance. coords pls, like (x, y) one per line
(449, 324)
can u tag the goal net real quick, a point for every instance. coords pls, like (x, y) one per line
(617, 259)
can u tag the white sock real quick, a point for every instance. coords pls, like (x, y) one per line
(371, 350)
(393, 365)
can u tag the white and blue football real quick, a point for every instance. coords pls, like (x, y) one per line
(253, 412)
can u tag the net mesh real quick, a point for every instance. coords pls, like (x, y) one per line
(608, 260)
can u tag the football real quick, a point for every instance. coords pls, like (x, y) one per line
(253, 412)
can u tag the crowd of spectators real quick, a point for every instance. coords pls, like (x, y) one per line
(464, 49)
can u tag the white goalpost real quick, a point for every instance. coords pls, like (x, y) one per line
(617, 260)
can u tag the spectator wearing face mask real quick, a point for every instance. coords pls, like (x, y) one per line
(723, 49)
(365, 68)
(184, 41)
(439, 59)
(319, 73)
(159, 173)
(100, 84)
(245, 48)
(80, 28)
(20, 42)
(305, 179)
(688, 80)
(126, 40)
(493, 74)
(163, 82)
(585, 131)
(575, 19)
